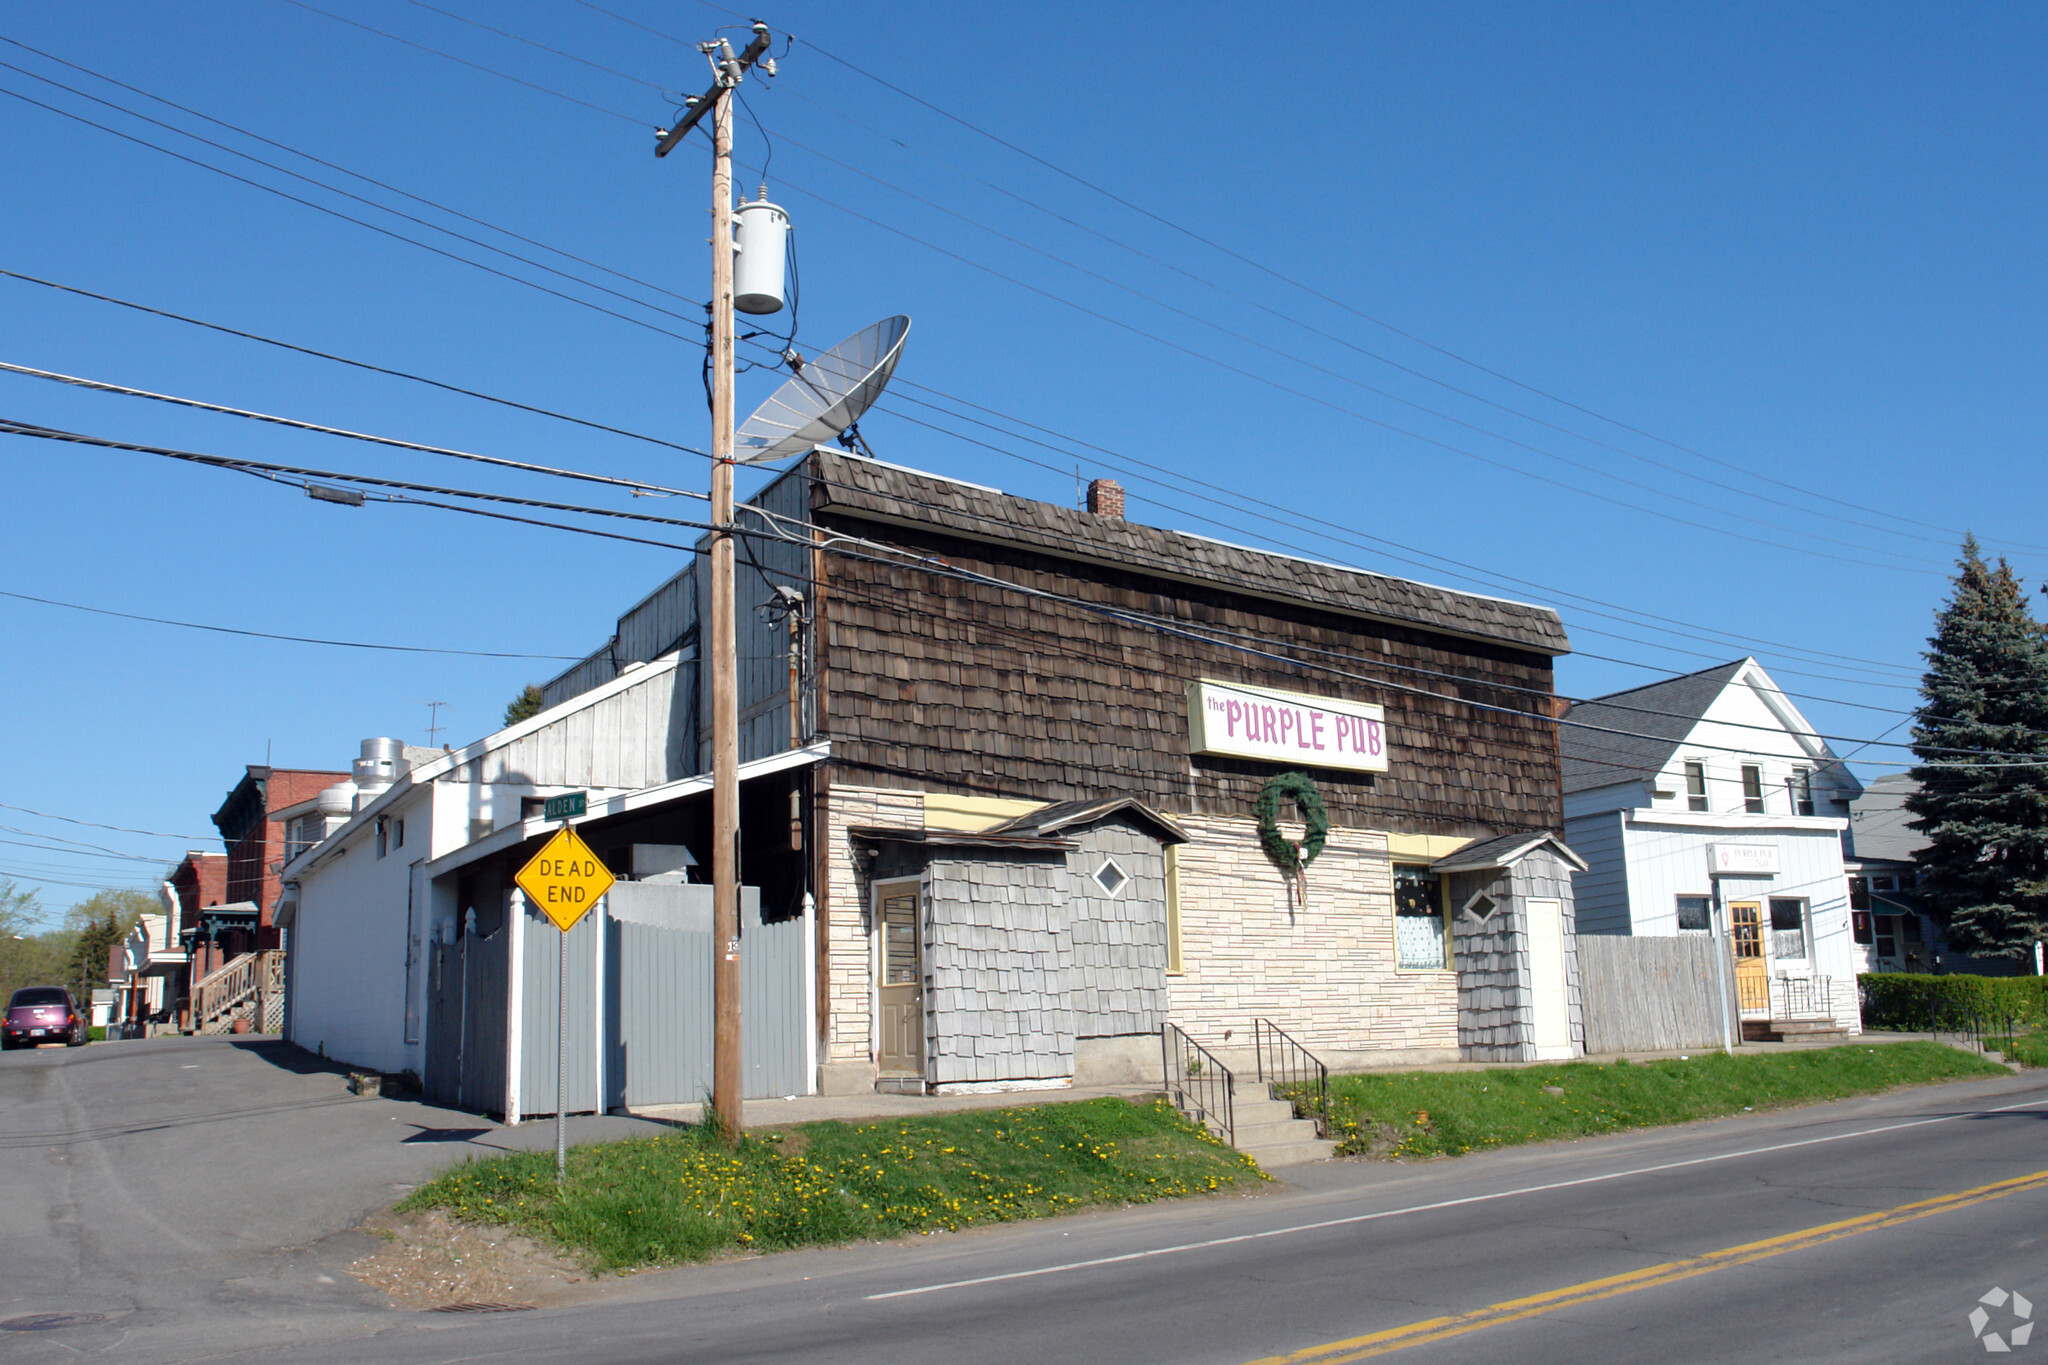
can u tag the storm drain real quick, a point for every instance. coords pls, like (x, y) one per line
(483, 1308)
(50, 1322)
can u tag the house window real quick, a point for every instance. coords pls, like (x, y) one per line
(1173, 967)
(1859, 897)
(1692, 913)
(1111, 878)
(1752, 789)
(1859, 926)
(1695, 785)
(1420, 924)
(1910, 925)
(1788, 927)
(1801, 783)
(382, 837)
(398, 838)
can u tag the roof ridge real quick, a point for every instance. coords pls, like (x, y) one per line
(1664, 682)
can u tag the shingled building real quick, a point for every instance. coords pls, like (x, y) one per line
(1030, 742)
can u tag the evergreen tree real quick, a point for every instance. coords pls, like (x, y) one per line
(1984, 716)
(525, 706)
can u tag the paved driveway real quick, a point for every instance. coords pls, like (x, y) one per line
(187, 1187)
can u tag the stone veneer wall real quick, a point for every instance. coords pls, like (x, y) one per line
(1324, 972)
(849, 1022)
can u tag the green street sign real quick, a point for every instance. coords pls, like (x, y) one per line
(563, 807)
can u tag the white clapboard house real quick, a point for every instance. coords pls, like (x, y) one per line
(1706, 804)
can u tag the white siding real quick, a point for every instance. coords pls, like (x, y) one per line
(349, 947)
(1667, 861)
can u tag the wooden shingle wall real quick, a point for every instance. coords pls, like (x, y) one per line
(1496, 1015)
(998, 994)
(957, 686)
(1119, 942)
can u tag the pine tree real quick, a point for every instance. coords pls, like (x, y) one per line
(526, 705)
(1984, 716)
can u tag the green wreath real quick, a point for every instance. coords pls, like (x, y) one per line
(1286, 856)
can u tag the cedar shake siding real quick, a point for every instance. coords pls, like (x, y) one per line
(942, 684)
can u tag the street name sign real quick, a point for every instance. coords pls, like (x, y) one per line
(566, 807)
(564, 879)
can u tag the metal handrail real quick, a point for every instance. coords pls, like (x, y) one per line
(1200, 1085)
(1807, 996)
(1284, 1061)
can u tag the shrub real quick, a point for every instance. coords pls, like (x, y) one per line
(1913, 1002)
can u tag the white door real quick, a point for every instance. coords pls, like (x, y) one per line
(1553, 1037)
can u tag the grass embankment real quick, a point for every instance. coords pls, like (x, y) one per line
(2028, 1049)
(1426, 1113)
(687, 1196)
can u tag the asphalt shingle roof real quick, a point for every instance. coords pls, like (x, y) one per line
(1657, 718)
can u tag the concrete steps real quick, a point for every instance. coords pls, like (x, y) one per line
(1793, 1031)
(1268, 1132)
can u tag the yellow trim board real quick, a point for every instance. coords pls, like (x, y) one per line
(972, 814)
(1426, 848)
(1514, 1310)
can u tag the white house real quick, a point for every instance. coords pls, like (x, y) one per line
(1707, 804)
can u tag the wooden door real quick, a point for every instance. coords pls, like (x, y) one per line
(1752, 976)
(900, 993)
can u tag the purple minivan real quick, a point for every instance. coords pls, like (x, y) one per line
(42, 1014)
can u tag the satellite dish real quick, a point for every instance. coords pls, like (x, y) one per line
(825, 397)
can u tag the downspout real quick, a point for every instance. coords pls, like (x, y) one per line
(1720, 941)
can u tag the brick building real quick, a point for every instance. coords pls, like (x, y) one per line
(254, 824)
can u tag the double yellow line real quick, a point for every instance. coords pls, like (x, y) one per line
(1591, 1291)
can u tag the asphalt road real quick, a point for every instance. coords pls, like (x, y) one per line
(1641, 1247)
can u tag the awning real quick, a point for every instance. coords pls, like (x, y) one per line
(1897, 903)
(647, 798)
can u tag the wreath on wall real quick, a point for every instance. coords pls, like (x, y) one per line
(1293, 859)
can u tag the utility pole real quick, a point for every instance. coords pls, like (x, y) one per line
(725, 729)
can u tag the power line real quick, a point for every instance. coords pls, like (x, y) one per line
(357, 364)
(95, 824)
(475, 66)
(629, 277)
(1337, 302)
(360, 222)
(293, 639)
(1800, 549)
(932, 565)
(637, 486)
(336, 166)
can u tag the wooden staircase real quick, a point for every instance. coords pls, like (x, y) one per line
(250, 987)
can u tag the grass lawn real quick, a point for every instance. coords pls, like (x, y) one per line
(1427, 1113)
(687, 1196)
(2028, 1049)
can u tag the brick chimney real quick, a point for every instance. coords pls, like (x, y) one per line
(1106, 498)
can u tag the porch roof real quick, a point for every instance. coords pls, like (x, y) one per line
(513, 835)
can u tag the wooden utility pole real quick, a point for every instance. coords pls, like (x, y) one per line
(725, 720)
(725, 728)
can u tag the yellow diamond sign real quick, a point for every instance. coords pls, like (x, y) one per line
(564, 879)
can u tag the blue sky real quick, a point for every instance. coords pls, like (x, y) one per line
(1723, 322)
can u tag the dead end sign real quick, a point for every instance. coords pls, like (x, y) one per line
(564, 879)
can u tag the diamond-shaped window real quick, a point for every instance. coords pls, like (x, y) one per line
(1481, 907)
(1111, 878)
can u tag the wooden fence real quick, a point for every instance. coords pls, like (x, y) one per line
(1655, 994)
